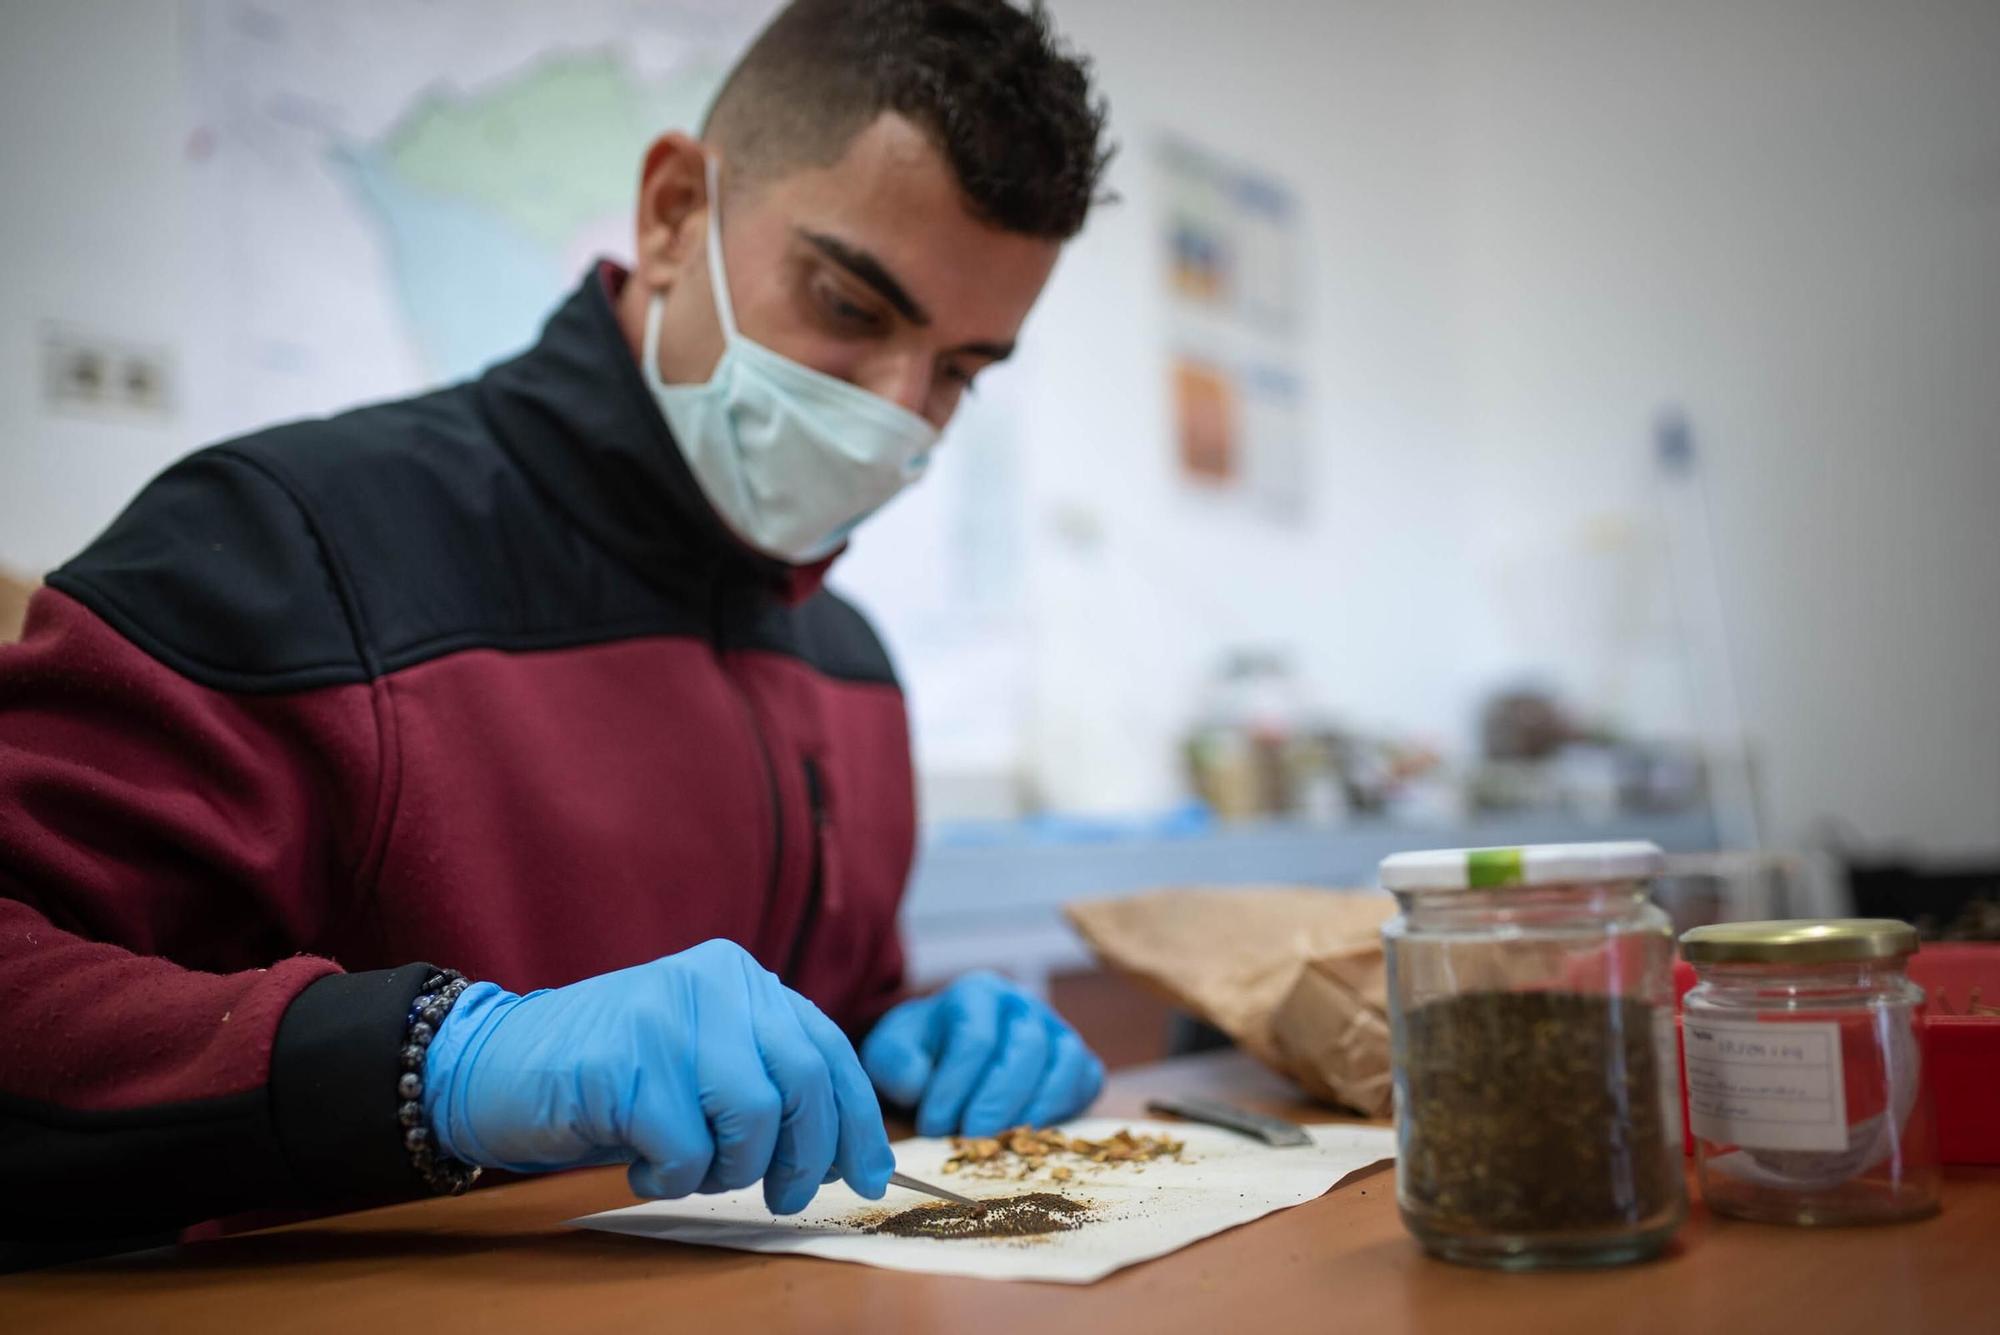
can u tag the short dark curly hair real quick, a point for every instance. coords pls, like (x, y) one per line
(1010, 107)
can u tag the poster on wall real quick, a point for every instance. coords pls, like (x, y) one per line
(1235, 284)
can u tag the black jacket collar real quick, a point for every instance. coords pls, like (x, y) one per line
(576, 415)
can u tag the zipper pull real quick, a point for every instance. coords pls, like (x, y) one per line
(815, 792)
(826, 874)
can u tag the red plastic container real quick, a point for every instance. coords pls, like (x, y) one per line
(1963, 1050)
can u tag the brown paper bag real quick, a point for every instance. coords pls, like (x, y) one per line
(1295, 976)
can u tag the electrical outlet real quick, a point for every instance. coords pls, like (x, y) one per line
(89, 375)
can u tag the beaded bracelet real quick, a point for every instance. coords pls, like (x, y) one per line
(440, 1172)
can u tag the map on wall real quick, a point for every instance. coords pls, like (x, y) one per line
(486, 206)
(395, 194)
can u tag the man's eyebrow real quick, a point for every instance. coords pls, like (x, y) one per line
(870, 271)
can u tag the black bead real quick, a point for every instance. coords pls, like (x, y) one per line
(421, 1034)
(413, 1057)
(416, 1138)
(411, 1113)
(410, 1085)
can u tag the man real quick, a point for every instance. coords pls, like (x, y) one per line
(533, 678)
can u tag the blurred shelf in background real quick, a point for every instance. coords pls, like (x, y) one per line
(992, 896)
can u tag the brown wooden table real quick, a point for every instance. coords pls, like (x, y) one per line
(500, 1261)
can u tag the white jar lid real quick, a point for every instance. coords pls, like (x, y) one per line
(1535, 864)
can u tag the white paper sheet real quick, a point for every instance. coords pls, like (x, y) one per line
(1224, 1180)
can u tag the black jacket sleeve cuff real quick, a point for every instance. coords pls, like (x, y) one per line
(333, 1085)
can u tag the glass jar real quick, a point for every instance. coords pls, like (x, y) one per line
(1806, 1088)
(1531, 1023)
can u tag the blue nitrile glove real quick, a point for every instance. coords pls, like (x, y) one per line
(979, 1057)
(701, 1069)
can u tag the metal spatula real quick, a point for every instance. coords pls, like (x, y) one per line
(1270, 1130)
(909, 1183)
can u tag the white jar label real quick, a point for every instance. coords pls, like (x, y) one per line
(1766, 1086)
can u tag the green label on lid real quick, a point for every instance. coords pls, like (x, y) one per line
(1488, 867)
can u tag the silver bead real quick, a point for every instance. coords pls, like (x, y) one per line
(411, 1085)
(416, 1138)
(411, 1114)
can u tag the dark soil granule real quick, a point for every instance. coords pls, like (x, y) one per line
(1026, 1216)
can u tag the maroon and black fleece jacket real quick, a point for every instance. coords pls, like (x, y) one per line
(475, 680)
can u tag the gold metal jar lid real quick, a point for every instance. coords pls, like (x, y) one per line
(1799, 941)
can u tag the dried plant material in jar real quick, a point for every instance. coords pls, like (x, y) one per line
(1534, 1113)
(1023, 1151)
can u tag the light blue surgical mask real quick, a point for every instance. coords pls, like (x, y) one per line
(791, 458)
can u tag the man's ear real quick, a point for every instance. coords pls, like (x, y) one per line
(673, 194)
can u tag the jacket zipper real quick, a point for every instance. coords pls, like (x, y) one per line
(816, 884)
(772, 796)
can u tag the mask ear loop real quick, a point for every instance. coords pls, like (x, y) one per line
(718, 275)
(718, 278)
(649, 350)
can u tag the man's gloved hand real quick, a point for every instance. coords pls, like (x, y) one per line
(979, 1057)
(700, 1069)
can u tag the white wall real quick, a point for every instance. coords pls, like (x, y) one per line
(93, 234)
(1783, 216)
(1342, 100)
(1531, 226)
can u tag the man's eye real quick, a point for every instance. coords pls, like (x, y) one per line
(959, 376)
(843, 312)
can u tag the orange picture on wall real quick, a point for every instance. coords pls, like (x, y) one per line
(1205, 421)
